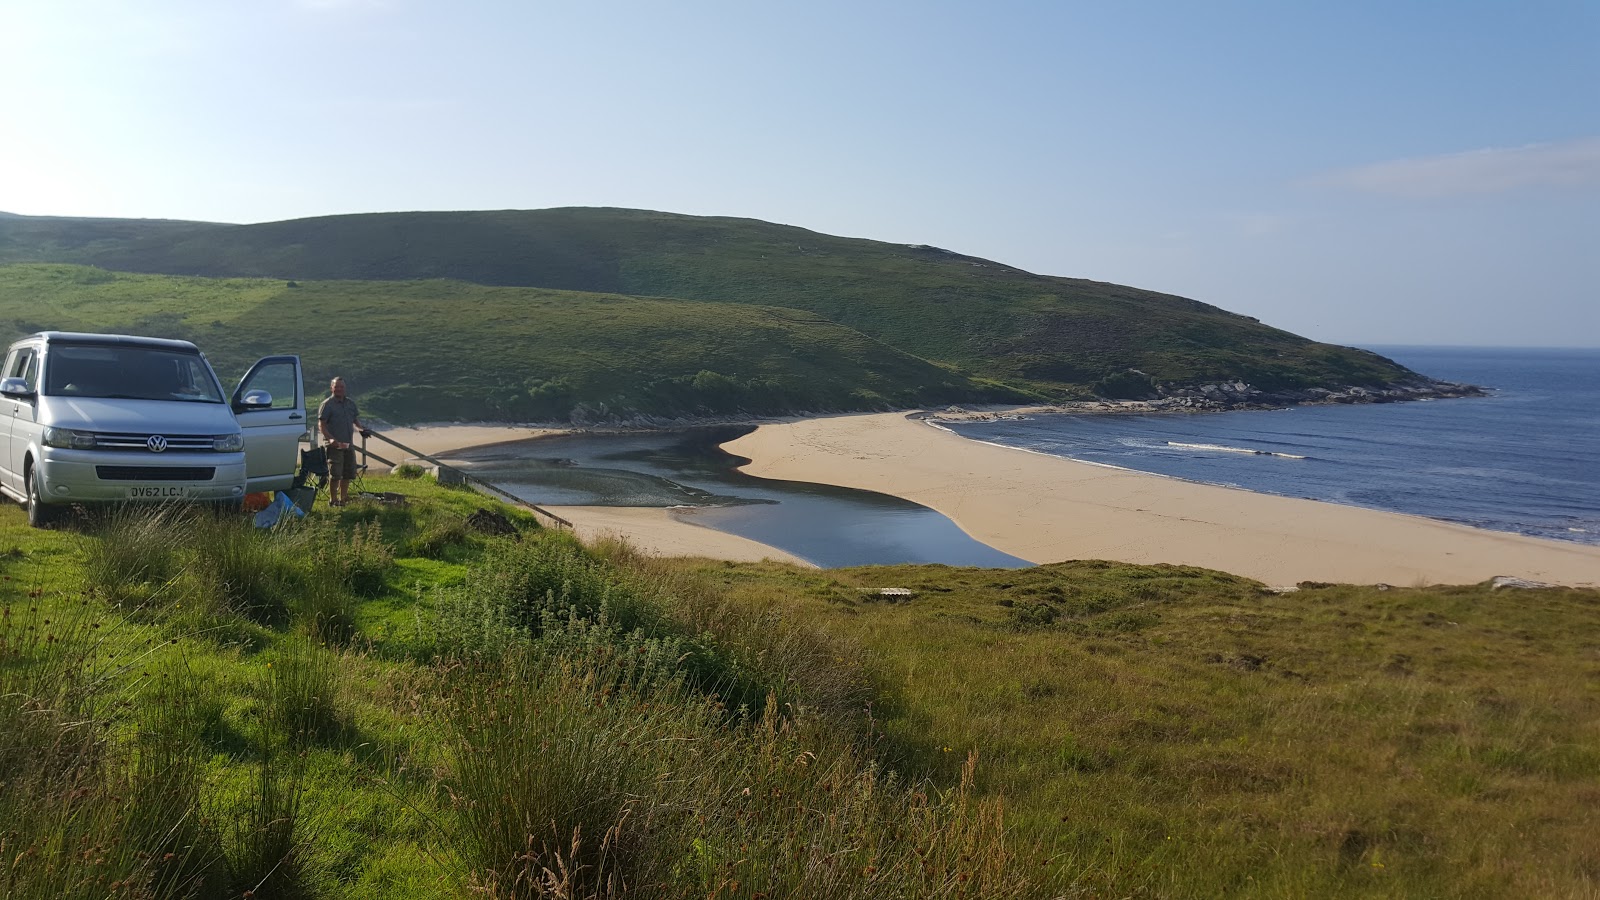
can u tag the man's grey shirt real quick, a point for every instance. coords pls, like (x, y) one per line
(340, 416)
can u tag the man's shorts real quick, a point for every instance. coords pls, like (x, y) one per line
(342, 464)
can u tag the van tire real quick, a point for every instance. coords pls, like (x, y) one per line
(40, 514)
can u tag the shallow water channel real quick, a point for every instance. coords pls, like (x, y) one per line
(827, 525)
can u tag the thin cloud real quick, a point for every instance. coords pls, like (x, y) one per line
(1574, 163)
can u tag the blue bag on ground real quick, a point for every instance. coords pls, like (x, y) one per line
(281, 503)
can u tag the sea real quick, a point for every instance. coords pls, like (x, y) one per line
(1524, 459)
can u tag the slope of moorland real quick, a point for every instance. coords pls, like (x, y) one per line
(379, 701)
(1062, 336)
(34, 238)
(441, 350)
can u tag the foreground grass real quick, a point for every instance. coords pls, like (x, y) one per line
(382, 702)
(1176, 732)
(512, 717)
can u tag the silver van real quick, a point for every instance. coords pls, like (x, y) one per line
(111, 418)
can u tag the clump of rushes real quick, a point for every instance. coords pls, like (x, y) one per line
(438, 537)
(300, 706)
(548, 760)
(408, 471)
(359, 559)
(573, 777)
(264, 844)
(164, 791)
(244, 571)
(131, 556)
(326, 609)
(81, 815)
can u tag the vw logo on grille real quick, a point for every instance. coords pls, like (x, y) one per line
(157, 443)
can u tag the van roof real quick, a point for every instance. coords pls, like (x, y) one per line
(123, 340)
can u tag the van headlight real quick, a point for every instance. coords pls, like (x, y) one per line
(67, 439)
(228, 443)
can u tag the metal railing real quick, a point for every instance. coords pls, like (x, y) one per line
(466, 477)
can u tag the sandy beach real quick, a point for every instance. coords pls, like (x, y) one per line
(663, 532)
(1047, 509)
(442, 440)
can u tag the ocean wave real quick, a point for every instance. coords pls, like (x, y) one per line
(1224, 449)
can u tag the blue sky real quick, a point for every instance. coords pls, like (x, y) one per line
(1355, 172)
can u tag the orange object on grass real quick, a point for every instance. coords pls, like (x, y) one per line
(256, 502)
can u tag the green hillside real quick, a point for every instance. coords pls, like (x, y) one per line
(33, 238)
(440, 350)
(1057, 335)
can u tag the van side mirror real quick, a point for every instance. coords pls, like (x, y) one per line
(257, 399)
(16, 388)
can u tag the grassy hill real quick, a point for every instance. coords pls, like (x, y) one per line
(1057, 335)
(442, 350)
(33, 238)
(379, 701)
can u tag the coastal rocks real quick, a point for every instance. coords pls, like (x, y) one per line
(1238, 394)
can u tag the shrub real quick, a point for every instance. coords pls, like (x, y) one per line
(408, 470)
(551, 575)
(358, 559)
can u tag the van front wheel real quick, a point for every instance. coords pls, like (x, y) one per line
(40, 514)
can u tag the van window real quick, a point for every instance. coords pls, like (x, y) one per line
(128, 373)
(24, 364)
(278, 379)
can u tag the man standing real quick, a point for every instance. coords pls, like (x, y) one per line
(339, 420)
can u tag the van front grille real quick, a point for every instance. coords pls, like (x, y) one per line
(111, 440)
(155, 473)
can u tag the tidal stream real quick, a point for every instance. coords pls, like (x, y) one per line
(827, 525)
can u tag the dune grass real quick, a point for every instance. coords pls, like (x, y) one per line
(531, 717)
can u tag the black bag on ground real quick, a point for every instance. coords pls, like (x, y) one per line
(302, 496)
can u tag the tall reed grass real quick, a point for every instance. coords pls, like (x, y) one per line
(82, 815)
(577, 778)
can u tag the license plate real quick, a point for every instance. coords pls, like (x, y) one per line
(158, 492)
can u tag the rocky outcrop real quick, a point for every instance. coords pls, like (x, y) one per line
(1241, 395)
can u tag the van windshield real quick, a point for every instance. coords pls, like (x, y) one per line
(128, 373)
